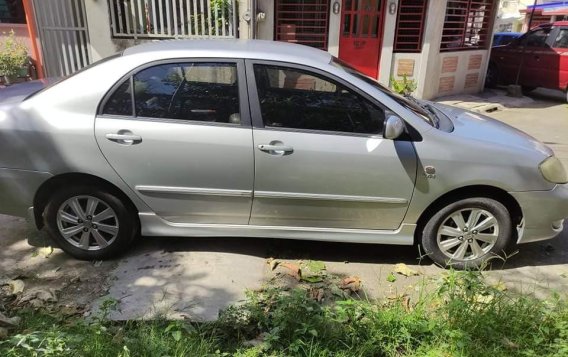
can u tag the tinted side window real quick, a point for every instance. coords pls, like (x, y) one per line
(537, 38)
(120, 102)
(291, 98)
(188, 91)
(562, 39)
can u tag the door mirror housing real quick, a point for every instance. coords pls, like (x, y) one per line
(394, 127)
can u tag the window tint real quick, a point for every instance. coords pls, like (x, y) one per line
(562, 39)
(120, 102)
(536, 38)
(291, 98)
(188, 91)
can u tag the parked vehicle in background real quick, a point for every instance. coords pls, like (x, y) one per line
(268, 139)
(542, 54)
(505, 38)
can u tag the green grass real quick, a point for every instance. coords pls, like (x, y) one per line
(463, 317)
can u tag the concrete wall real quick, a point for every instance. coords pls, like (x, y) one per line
(442, 73)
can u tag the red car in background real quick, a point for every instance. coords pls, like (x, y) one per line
(544, 59)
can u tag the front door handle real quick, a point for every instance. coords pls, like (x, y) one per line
(124, 138)
(276, 149)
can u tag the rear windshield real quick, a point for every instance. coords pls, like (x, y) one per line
(94, 64)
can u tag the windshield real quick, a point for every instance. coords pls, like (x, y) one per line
(408, 104)
(54, 80)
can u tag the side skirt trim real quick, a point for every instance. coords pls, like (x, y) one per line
(152, 225)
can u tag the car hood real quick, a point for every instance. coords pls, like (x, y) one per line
(17, 92)
(478, 127)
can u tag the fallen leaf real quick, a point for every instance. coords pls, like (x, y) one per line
(391, 278)
(352, 283)
(564, 275)
(273, 263)
(406, 303)
(44, 252)
(293, 270)
(98, 263)
(317, 294)
(509, 343)
(16, 286)
(39, 297)
(405, 270)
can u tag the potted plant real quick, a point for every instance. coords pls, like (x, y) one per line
(403, 87)
(13, 57)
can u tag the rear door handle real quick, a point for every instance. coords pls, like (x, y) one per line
(276, 149)
(124, 139)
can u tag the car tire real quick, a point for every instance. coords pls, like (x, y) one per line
(484, 231)
(90, 223)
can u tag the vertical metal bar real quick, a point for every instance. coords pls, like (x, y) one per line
(154, 22)
(182, 18)
(233, 22)
(60, 44)
(161, 14)
(174, 15)
(127, 13)
(202, 16)
(169, 19)
(209, 17)
(221, 24)
(141, 16)
(188, 8)
(195, 18)
(79, 35)
(120, 14)
(136, 13)
(112, 17)
(72, 35)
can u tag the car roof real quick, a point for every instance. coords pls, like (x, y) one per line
(230, 48)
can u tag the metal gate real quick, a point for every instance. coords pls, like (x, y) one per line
(302, 21)
(62, 30)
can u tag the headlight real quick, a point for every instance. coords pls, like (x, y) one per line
(553, 171)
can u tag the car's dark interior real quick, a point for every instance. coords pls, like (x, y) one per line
(173, 92)
(293, 100)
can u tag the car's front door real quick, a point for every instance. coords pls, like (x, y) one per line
(539, 63)
(178, 133)
(320, 157)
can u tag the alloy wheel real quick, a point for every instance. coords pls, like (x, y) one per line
(87, 223)
(468, 234)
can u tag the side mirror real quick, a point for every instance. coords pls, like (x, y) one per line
(394, 127)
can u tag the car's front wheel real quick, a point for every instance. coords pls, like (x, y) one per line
(90, 223)
(466, 233)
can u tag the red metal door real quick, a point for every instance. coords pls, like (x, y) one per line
(361, 34)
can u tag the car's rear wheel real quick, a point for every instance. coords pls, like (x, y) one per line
(90, 223)
(465, 234)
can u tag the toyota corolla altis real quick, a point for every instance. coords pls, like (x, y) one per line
(267, 139)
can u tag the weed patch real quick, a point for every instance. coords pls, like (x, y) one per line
(464, 316)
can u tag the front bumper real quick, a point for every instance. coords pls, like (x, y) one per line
(17, 190)
(543, 212)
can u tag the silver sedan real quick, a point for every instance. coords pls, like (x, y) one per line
(266, 139)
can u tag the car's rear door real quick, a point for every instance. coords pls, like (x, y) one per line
(178, 133)
(320, 157)
(560, 46)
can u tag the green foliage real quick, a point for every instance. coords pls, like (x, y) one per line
(404, 86)
(13, 55)
(464, 316)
